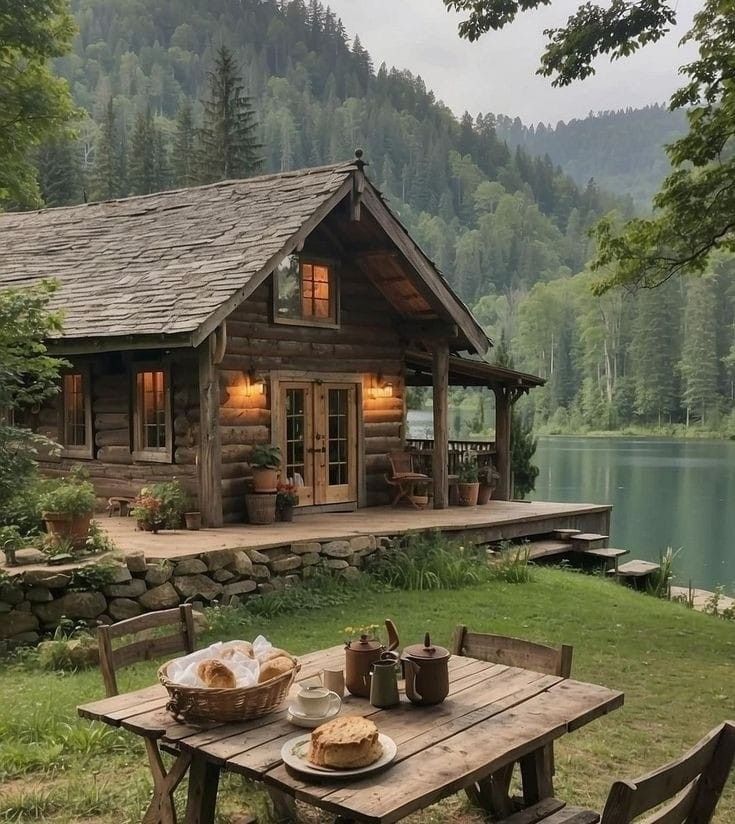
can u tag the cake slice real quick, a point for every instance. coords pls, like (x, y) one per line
(345, 743)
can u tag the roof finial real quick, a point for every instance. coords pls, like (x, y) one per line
(359, 162)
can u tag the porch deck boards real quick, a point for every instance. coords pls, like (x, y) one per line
(495, 521)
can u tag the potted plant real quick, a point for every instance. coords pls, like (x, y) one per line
(265, 463)
(173, 502)
(67, 510)
(286, 499)
(146, 510)
(468, 484)
(488, 477)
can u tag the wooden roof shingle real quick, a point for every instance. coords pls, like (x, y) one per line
(162, 264)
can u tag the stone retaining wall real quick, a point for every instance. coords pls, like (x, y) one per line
(34, 602)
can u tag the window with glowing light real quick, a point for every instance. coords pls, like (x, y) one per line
(76, 415)
(152, 415)
(305, 292)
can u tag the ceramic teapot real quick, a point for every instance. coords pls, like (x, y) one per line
(426, 669)
(360, 655)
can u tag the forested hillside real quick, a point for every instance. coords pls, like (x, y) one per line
(622, 150)
(509, 229)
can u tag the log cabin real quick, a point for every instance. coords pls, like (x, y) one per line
(291, 309)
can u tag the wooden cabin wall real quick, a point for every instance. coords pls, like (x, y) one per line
(367, 343)
(112, 471)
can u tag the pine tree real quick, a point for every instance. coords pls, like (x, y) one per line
(227, 144)
(142, 165)
(59, 166)
(698, 365)
(108, 169)
(183, 159)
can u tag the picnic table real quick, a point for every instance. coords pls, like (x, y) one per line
(493, 717)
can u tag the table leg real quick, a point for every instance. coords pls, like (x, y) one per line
(284, 805)
(161, 809)
(492, 794)
(202, 798)
(537, 774)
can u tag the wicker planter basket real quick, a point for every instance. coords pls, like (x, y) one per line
(261, 507)
(204, 704)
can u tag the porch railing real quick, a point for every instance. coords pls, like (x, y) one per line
(423, 448)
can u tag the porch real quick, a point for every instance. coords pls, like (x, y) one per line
(495, 521)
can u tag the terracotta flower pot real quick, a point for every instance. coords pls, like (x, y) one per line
(467, 494)
(193, 520)
(261, 508)
(64, 527)
(265, 479)
(484, 495)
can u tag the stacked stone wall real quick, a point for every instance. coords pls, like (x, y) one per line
(34, 602)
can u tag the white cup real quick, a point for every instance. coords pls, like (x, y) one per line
(316, 702)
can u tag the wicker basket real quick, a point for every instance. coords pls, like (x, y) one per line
(205, 704)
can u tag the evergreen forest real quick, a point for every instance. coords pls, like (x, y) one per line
(502, 208)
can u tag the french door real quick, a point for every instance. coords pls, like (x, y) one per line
(319, 440)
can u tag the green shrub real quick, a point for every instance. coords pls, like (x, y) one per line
(512, 564)
(430, 561)
(71, 496)
(266, 456)
(467, 471)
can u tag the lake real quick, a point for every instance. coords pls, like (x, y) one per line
(674, 493)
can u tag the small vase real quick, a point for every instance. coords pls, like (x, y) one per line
(484, 495)
(467, 494)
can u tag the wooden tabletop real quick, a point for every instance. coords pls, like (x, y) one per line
(493, 716)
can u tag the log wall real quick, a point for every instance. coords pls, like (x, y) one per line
(367, 343)
(113, 470)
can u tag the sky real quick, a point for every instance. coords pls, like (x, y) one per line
(497, 73)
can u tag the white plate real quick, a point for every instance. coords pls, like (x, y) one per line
(297, 717)
(295, 754)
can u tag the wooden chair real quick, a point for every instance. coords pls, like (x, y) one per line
(513, 652)
(182, 639)
(517, 652)
(691, 784)
(404, 477)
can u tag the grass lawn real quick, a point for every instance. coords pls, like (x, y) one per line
(675, 667)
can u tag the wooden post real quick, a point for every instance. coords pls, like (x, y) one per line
(210, 446)
(503, 407)
(440, 460)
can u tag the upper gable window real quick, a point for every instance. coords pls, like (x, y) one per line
(305, 291)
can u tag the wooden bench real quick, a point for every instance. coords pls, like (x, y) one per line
(120, 505)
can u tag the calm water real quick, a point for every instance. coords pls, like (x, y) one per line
(664, 493)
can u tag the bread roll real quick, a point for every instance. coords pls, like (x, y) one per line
(243, 647)
(273, 653)
(215, 674)
(345, 743)
(276, 666)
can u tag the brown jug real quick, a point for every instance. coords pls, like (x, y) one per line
(426, 670)
(360, 655)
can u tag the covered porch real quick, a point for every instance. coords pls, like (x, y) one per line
(439, 370)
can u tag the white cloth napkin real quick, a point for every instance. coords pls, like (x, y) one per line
(245, 669)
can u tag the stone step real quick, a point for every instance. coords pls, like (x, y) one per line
(606, 552)
(589, 540)
(547, 549)
(565, 534)
(636, 569)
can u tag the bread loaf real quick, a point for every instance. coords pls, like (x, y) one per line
(243, 647)
(216, 674)
(347, 742)
(276, 666)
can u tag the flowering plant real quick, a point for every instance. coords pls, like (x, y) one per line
(147, 509)
(286, 496)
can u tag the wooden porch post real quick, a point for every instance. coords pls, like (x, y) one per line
(440, 461)
(210, 445)
(503, 406)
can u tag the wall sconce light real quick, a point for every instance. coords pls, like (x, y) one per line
(381, 388)
(252, 385)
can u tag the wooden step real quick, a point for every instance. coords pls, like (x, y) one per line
(547, 549)
(565, 534)
(605, 552)
(589, 540)
(637, 569)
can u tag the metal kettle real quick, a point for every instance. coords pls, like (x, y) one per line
(426, 668)
(360, 655)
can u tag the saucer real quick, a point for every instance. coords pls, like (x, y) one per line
(295, 716)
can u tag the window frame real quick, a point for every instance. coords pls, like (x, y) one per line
(85, 452)
(332, 322)
(147, 454)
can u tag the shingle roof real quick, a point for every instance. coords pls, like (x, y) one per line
(162, 263)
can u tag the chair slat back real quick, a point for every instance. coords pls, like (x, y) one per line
(400, 462)
(183, 639)
(692, 783)
(513, 652)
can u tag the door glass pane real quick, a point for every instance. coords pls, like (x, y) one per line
(152, 409)
(295, 434)
(75, 428)
(338, 420)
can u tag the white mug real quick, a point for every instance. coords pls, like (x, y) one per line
(316, 702)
